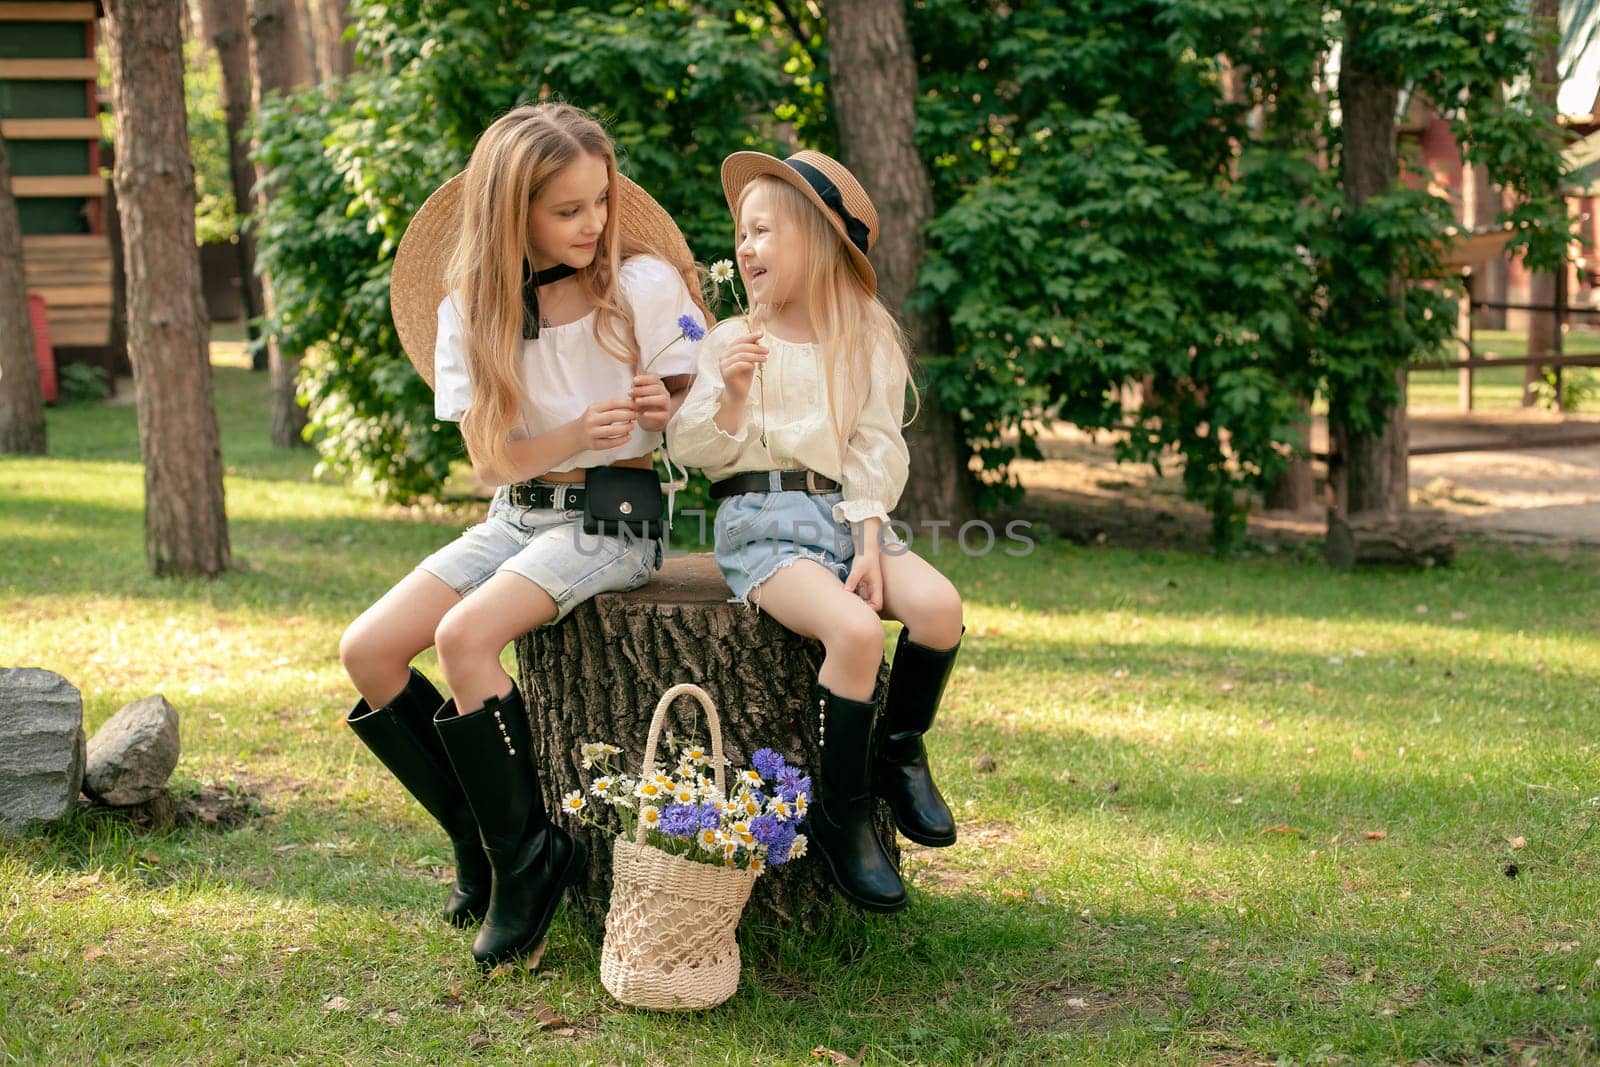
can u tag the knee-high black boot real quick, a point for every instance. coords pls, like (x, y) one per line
(839, 821)
(900, 772)
(402, 736)
(532, 858)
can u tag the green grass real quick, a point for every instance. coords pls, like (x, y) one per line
(1500, 388)
(1211, 812)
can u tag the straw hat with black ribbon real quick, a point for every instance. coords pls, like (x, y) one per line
(418, 284)
(827, 184)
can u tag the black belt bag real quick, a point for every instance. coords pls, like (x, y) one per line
(615, 497)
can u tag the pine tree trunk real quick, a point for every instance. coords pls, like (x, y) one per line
(22, 428)
(278, 64)
(186, 526)
(336, 56)
(874, 73)
(598, 675)
(1370, 467)
(226, 30)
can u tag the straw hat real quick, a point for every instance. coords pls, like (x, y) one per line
(417, 285)
(827, 184)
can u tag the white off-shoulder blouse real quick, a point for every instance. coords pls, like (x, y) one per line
(792, 405)
(565, 370)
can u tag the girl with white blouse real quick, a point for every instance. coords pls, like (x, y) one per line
(548, 301)
(795, 416)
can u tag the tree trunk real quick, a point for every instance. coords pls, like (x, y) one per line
(1369, 468)
(186, 526)
(1489, 279)
(225, 29)
(117, 336)
(336, 56)
(1544, 333)
(598, 675)
(1375, 538)
(21, 398)
(874, 91)
(277, 59)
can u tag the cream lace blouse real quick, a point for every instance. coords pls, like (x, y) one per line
(789, 399)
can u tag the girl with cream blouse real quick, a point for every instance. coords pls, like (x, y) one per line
(795, 414)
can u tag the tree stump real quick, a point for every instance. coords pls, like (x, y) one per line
(1406, 539)
(597, 675)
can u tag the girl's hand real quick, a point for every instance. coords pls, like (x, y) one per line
(607, 424)
(649, 395)
(866, 579)
(739, 362)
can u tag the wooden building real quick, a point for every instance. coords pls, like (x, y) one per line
(49, 107)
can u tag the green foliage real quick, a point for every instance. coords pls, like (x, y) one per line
(1126, 193)
(80, 383)
(216, 217)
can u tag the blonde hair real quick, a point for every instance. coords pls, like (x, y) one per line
(516, 156)
(853, 327)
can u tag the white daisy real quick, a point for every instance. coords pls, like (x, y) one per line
(722, 271)
(800, 804)
(751, 778)
(708, 840)
(684, 793)
(591, 752)
(650, 790)
(697, 755)
(780, 809)
(601, 787)
(756, 866)
(650, 815)
(573, 802)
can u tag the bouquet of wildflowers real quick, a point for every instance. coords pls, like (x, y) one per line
(752, 827)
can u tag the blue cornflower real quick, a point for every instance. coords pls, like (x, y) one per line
(769, 763)
(791, 786)
(680, 820)
(690, 327)
(769, 831)
(709, 817)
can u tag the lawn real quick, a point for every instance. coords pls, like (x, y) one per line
(1500, 388)
(1211, 812)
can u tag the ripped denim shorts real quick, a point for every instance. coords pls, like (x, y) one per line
(548, 547)
(760, 533)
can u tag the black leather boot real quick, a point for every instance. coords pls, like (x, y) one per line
(839, 822)
(402, 736)
(532, 859)
(900, 767)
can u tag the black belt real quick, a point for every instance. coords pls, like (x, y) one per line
(535, 494)
(802, 481)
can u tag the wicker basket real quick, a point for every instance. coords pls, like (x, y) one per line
(669, 939)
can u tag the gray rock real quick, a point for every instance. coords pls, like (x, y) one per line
(41, 745)
(133, 754)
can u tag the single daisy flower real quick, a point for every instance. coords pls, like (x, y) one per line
(649, 791)
(650, 815)
(708, 840)
(722, 271)
(798, 848)
(573, 802)
(601, 787)
(780, 808)
(752, 778)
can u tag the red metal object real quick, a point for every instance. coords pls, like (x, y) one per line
(43, 354)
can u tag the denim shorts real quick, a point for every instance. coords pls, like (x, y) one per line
(548, 547)
(759, 533)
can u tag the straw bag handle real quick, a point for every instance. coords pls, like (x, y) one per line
(683, 689)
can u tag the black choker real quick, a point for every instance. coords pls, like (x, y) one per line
(531, 280)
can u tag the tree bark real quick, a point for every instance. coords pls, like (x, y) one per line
(278, 64)
(1544, 334)
(22, 428)
(1369, 470)
(225, 29)
(1375, 538)
(186, 526)
(598, 675)
(874, 91)
(336, 56)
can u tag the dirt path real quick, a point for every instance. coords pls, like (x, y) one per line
(1549, 494)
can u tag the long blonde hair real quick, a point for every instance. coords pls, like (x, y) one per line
(853, 327)
(515, 157)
